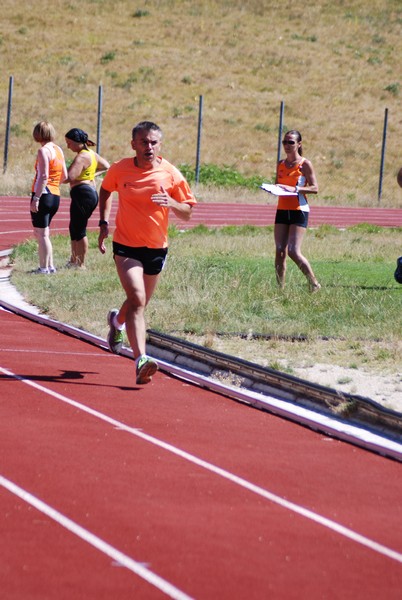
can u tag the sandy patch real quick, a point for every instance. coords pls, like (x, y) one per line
(384, 389)
(329, 363)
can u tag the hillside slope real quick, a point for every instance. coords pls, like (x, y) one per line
(335, 65)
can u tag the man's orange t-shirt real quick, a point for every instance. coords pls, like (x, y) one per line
(139, 221)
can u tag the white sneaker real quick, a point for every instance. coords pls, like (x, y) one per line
(40, 271)
(146, 367)
(115, 337)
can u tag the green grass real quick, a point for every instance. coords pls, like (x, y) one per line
(225, 176)
(222, 281)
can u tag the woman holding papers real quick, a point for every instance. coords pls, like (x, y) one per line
(295, 175)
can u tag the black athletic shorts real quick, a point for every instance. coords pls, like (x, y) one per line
(48, 207)
(291, 217)
(84, 200)
(152, 259)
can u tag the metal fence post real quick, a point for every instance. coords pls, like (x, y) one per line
(384, 138)
(7, 137)
(281, 113)
(197, 160)
(99, 124)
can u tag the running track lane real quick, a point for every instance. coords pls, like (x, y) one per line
(16, 224)
(196, 495)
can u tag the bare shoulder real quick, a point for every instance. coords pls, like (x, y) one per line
(43, 151)
(82, 158)
(307, 165)
(102, 163)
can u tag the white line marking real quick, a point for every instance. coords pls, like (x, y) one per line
(92, 539)
(300, 510)
(356, 434)
(16, 231)
(40, 351)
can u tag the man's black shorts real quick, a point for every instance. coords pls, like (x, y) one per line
(152, 259)
(291, 217)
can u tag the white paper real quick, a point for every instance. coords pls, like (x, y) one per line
(276, 190)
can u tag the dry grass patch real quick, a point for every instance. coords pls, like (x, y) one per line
(336, 66)
(381, 357)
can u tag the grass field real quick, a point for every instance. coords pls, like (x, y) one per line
(219, 286)
(335, 65)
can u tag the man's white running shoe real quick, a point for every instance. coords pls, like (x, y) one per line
(115, 336)
(146, 367)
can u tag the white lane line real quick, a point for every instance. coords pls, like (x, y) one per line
(15, 231)
(300, 510)
(41, 351)
(92, 539)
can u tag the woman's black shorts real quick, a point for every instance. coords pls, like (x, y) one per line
(48, 207)
(152, 259)
(84, 200)
(291, 217)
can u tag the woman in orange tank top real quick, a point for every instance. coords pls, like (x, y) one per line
(294, 174)
(50, 171)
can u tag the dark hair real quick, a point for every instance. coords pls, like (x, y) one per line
(79, 136)
(145, 126)
(298, 136)
(44, 132)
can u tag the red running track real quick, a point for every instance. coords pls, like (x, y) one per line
(16, 224)
(112, 490)
(171, 487)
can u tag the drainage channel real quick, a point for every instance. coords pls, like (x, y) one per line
(348, 417)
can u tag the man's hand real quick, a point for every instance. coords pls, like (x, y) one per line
(103, 234)
(162, 198)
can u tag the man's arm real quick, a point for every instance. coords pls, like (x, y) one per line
(105, 204)
(182, 210)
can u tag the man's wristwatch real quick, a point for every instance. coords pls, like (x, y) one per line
(102, 222)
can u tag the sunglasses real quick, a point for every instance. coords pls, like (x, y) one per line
(290, 142)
